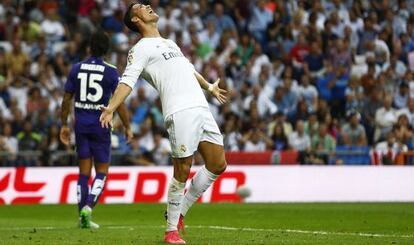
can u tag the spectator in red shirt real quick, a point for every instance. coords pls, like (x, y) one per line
(299, 52)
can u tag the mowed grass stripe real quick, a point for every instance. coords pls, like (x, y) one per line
(227, 228)
(288, 223)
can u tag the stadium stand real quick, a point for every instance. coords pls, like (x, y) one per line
(311, 82)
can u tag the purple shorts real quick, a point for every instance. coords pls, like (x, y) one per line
(96, 145)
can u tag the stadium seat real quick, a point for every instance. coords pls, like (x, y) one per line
(353, 155)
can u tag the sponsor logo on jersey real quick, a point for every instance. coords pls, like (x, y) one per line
(170, 55)
(87, 106)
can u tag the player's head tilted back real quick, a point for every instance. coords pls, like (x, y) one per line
(99, 43)
(138, 16)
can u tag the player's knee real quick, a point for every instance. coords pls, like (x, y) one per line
(181, 170)
(102, 168)
(220, 167)
(182, 174)
(85, 171)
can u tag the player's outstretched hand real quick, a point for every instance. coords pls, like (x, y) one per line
(218, 92)
(129, 135)
(106, 117)
(65, 135)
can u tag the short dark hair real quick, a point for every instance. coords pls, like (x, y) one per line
(127, 18)
(99, 43)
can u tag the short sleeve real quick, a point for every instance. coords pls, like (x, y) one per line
(70, 85)
(136, 62)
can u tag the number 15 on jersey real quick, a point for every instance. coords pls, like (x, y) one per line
(90, 81)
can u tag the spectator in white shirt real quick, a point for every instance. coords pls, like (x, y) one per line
(408, 111)
(385, 117)
(337, 25)
(388, 149)
(260, 19)
(8, 144)
(265, 105)
(309, 93)
(52, 27)
(19, 92)
(4, 111)
(401, 96)
(343, 13)
(209, 36)
(256, 141)
(396, 66)
(300, 141)
(189, 17)
(232, 135)
(169, 19)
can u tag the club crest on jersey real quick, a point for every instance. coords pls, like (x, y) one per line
(130, 57)
(183, 148)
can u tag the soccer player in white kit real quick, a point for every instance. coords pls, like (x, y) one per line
(188, 120)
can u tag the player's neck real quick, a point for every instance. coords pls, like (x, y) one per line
(150, 31)
(96, 57)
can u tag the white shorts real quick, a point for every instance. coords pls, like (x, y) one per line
(189, 127)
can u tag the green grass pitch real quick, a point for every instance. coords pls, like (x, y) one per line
(315, 223)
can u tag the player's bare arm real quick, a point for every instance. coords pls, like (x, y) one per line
(214, 88)
(124, 115)
(64, 130)
(121, 92)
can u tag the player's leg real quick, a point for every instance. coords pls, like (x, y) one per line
(175, 197)
(184, 131)
(212, 150)
(100, 146)
(176, 187)
(98, 184)
(101, 152)
(85, 167)
(215, 164)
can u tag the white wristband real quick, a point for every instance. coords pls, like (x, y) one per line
(210, 87)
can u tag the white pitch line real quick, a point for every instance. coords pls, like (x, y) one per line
(32, 228)
(116, 227)
(228, 228)
(301, 231)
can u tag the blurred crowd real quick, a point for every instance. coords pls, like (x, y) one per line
(303, 75)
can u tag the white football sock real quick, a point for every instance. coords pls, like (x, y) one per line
(175, 198)
(199, 184)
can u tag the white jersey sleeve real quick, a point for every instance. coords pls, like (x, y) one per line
(136, 62)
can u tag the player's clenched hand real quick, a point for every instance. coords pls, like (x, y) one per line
(129, 135)
(65, 135)
(217, 92)
(106, 117)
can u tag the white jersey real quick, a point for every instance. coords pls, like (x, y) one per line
(161, 62)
